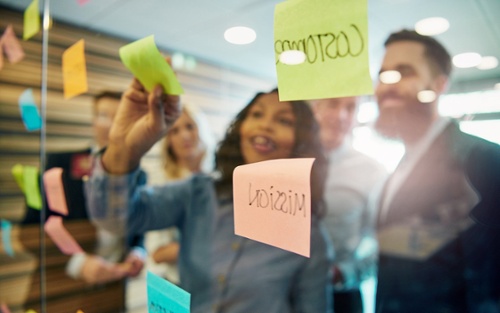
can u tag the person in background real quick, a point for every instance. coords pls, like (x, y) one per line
(186, 149)
(106, 264)
(222, 272)
(439, 214)
(352, 181)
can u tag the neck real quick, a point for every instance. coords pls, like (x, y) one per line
(191, 164)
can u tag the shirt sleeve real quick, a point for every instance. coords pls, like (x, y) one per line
(312, 290)
(119, 203)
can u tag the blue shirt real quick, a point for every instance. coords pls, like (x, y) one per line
(222, 271)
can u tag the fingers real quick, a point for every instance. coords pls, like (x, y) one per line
(165, 108)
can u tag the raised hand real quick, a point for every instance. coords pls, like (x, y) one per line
(142, 119)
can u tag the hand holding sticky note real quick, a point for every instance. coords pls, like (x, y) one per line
(145, 61)
(272, 203)
(333, 37)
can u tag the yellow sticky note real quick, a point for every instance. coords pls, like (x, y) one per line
(31, 187)
(145, 61)
(17, 172)
(74, 70)
(31, 20)
(332, 38)
(272, 203)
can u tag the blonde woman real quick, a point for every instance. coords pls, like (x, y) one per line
(187, 148)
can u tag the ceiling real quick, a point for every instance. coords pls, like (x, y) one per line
(196, 27)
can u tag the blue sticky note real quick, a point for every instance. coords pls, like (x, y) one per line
(29, 111)
(165, 297)
(6, 241)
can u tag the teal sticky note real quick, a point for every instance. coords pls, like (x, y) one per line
(165, 297)
(29, 111)
(6, 237)
(145, 61)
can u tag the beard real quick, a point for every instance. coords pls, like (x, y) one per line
(388, 124)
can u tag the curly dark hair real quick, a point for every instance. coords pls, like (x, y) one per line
(307, 145)
(437, 55)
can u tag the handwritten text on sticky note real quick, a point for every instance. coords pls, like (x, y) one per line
(272, 203)
(163, 296)
(333, 36)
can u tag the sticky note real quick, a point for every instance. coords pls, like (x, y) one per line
(31, 20)
(29, 111)
(272, 203)
(60, 236)
(11, 45)
(333, 35)
(31, 187)
(4, 308)
(145, 61)
(31, 311)
(6, 237)
(74, 70)
(53, 183)
(163, 296)
(17, 172)
(82, 2)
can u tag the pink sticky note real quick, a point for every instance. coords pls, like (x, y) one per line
(11, 45)
(4, 308)
(82, 2)
(272, 203)
(52, 180)
(60, 236)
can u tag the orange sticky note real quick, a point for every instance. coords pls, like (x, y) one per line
(31, 20)
(52, 180)
(272, 203)
(60, 236)
(74, 70)
(12, 46)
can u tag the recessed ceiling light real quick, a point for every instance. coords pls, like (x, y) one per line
(432, 26)
(390, 77)
(487, 63)
(240, 35)
(466, 60)
(292, 57)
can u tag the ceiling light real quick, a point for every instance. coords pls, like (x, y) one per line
(426, 96)
(432, 26)
(292, 57)
(466, 60)
(390, 77)
(497, 86)
(487, 63)
(240, 35)
(177, 60)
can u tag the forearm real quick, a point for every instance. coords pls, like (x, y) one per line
(167, 253)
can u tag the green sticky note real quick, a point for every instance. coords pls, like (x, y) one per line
(31, 187)
(145, 61)
(31, 20)
(17, 172)
(332, 36)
